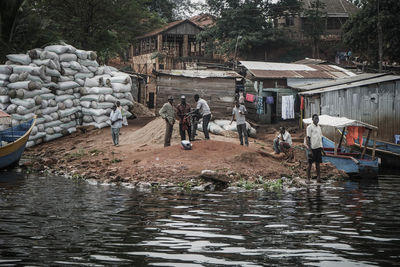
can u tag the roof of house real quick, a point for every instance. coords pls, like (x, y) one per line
(340, 81)
(272, 70)
(310, 61)
(381, 79)
(200, 73)
(334, 6)
(168, 27)
(203, 20)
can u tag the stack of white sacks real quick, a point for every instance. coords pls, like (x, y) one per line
(64, 87)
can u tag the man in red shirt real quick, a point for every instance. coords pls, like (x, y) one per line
(184, 125)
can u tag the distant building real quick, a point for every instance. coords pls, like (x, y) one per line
(173, 46)
(275, 80)
(337, 13)
(370, 98)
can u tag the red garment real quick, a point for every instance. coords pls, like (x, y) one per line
(250, 97)
(301, 103)
(354, 133)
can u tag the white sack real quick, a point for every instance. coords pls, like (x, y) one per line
(20, 58)
(68, 57)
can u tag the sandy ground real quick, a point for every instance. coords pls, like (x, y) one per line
(141, 156)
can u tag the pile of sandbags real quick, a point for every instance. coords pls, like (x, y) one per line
(63, 86)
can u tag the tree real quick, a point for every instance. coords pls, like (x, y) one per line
(107, 27)
(361, 31)
(315, 25)
(243, 25)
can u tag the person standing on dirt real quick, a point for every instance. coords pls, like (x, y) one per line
(283, 142)
(124, 120)
(239, 111)
(184, 125)
(167, 113)
(205, 112)
(116, 124)
(314, 147)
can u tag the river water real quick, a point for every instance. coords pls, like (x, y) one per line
(62, 222)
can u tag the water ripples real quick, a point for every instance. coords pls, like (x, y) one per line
(54, 221)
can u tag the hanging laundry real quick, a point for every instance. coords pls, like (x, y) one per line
(301, 103)
(260, 105)
(352, 134)
(287, 107)
(270, 100)
(250, 97)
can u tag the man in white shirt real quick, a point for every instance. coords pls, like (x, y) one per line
(314, 147)
(204, 110)
(239, 112)
(116, 124)
(283, 142)
(167, 112)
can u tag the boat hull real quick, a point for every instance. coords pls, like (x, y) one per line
(10, 154)
(354, 166)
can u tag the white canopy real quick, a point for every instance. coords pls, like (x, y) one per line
(339, 122)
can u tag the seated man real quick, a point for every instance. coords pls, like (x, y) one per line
(283, 142)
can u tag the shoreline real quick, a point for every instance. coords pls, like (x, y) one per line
(220, 162)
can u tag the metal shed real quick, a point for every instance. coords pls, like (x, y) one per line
(373, 99)
(271, 79)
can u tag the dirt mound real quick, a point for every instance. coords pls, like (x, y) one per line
(140, 110)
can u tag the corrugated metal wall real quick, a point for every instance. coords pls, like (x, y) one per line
(377, 104)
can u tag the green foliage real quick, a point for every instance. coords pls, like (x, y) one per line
(361, 34)
(107, 27)
(244, 25)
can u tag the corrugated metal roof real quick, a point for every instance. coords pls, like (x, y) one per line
(310, 61)
(382, 79)
(200, 73)
(345, 80)
(271, 70)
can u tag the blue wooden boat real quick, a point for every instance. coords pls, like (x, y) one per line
(387, 151)
(355, 162)
(349, 161)
(13, 141)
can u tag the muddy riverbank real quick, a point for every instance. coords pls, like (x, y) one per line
(141, 157)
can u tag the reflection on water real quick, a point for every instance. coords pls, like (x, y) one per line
(55, 221)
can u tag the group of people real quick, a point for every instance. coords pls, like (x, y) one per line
(168, 113)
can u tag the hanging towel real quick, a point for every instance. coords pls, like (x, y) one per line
(270, 100)
(260, 105)
(301, 103)
(250, 97)
(287, 107)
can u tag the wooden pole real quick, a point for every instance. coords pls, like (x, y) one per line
(334, 141)
(366, 143)
(341, 138)
(374, 147)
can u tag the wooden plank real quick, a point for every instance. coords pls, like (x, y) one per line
(366, 144)
(374, 146)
